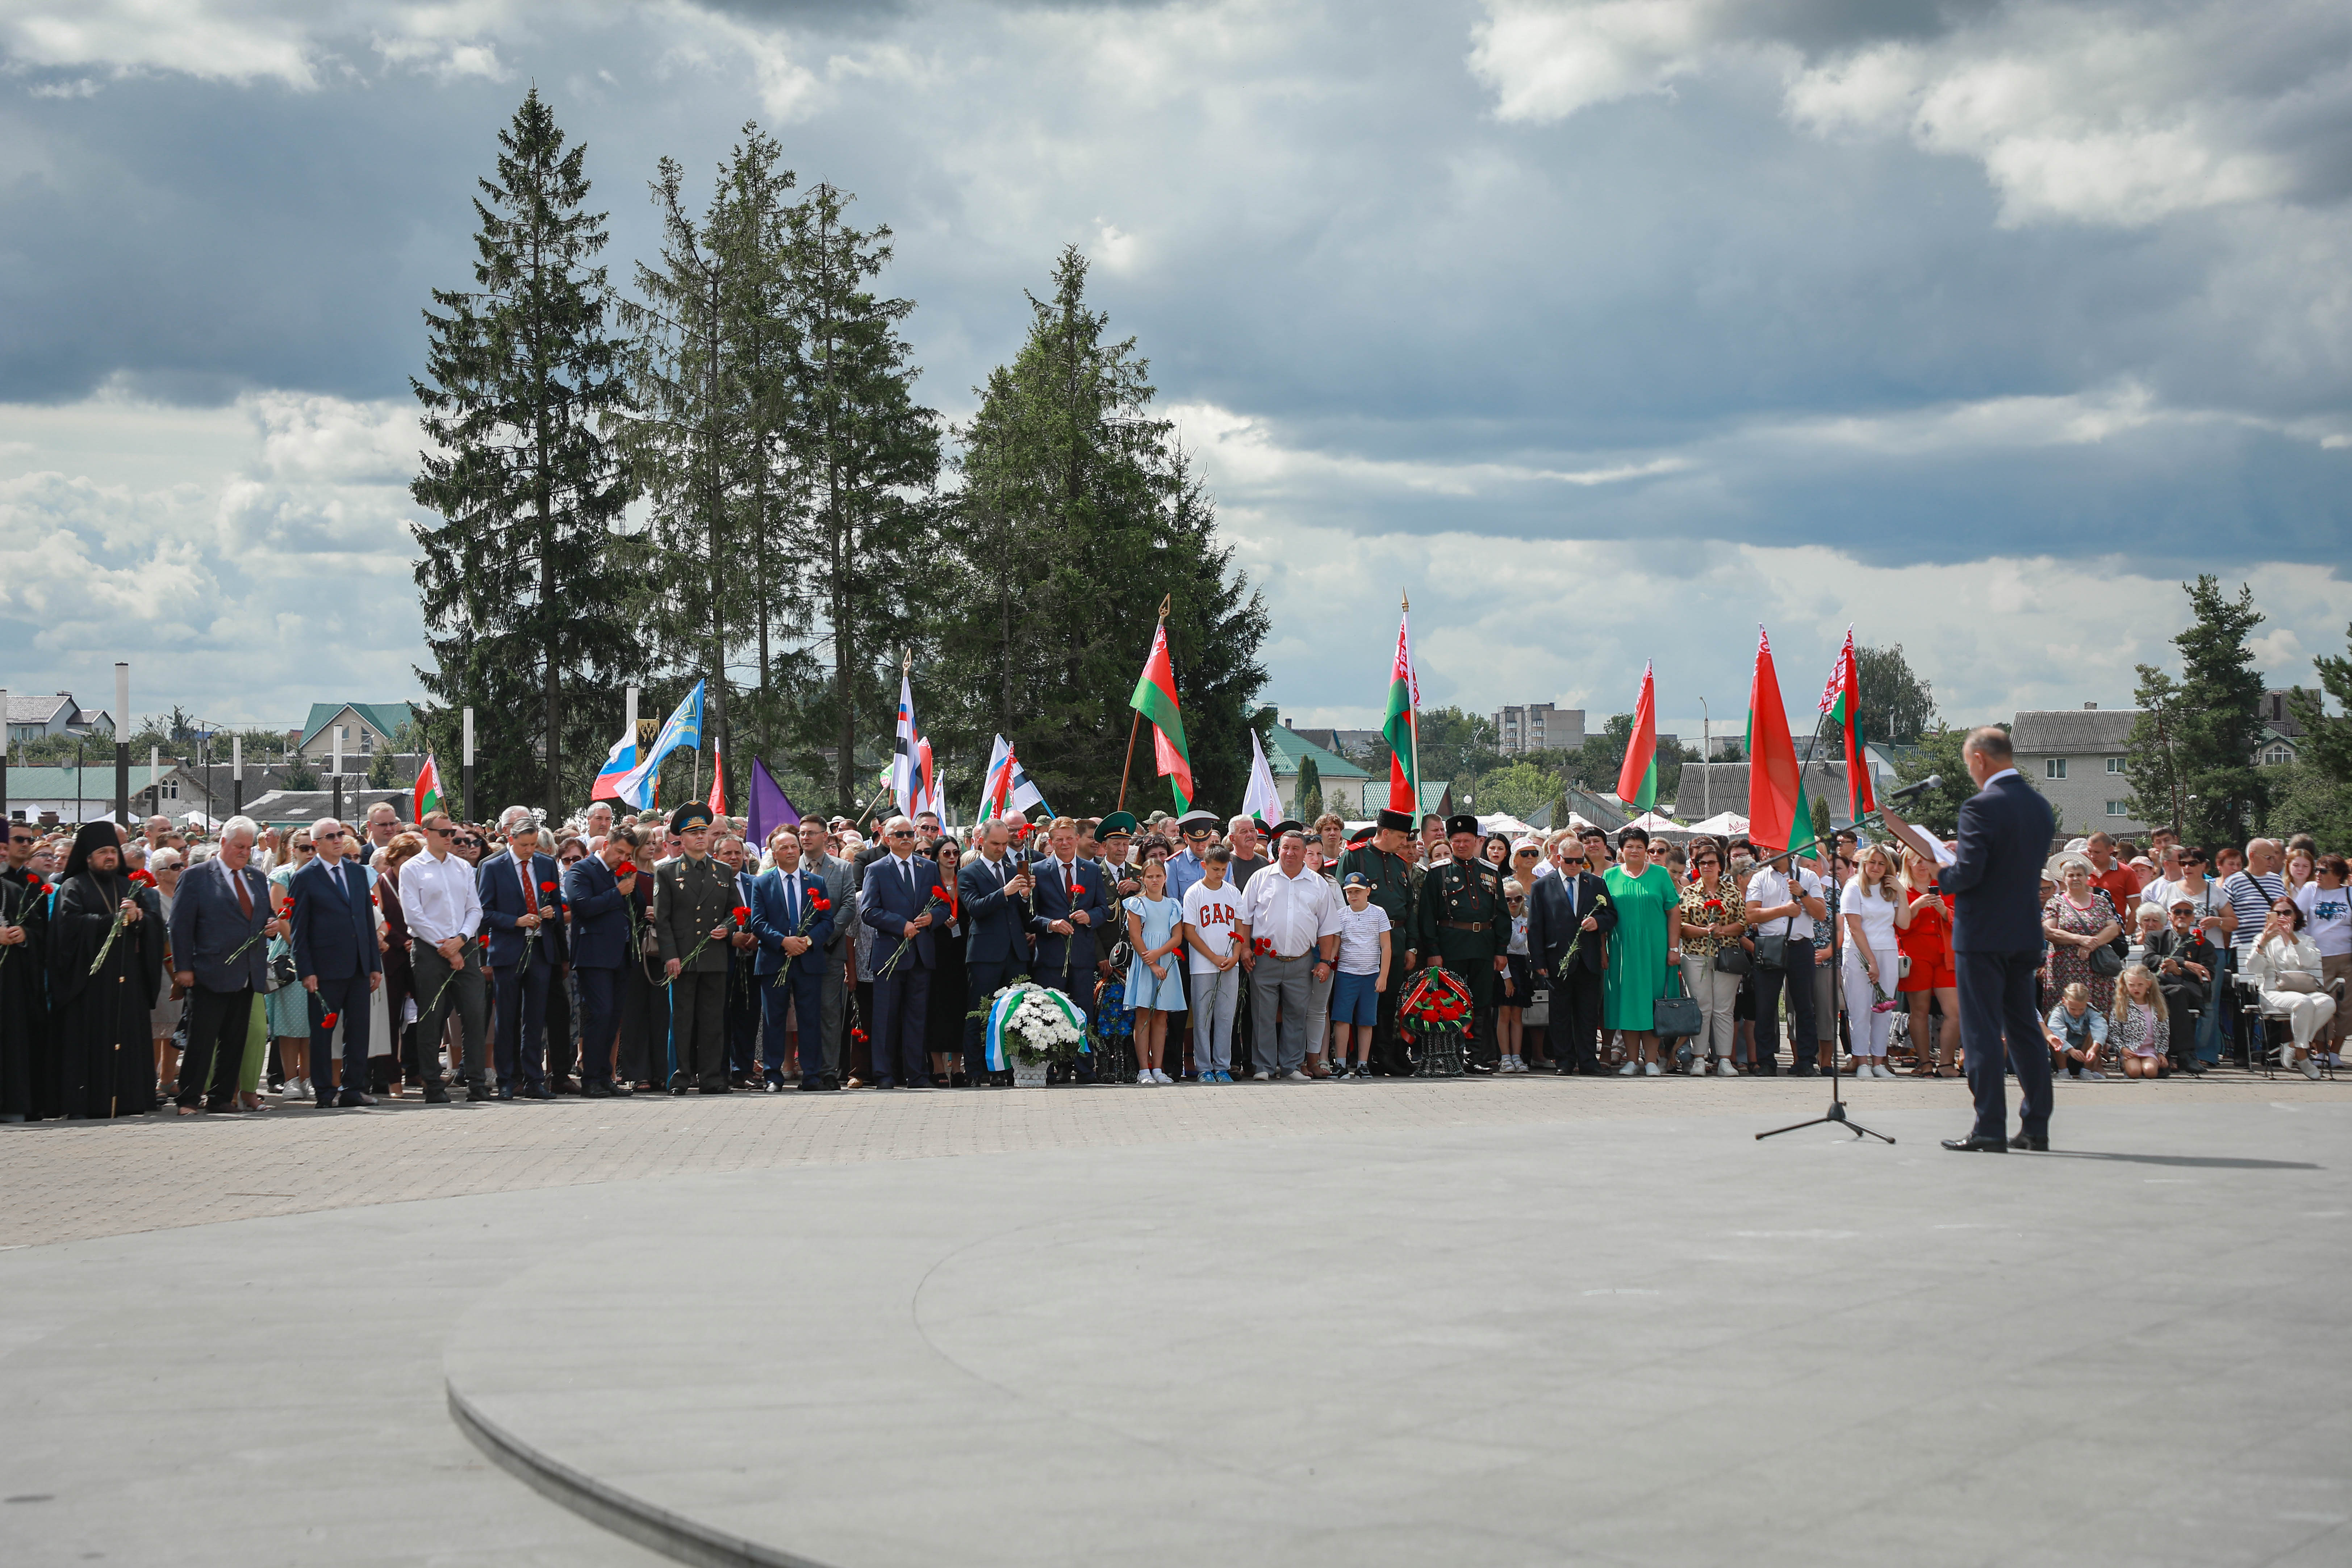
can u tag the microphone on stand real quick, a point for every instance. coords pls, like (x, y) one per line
(1922, 787)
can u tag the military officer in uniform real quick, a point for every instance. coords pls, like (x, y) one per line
(694, 904)
(1382, 862)
(1460, 921)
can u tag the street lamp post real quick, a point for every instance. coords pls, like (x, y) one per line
(122, 742)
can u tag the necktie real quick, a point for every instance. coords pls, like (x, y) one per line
(530, 896)
(792, 899)
(243, 893)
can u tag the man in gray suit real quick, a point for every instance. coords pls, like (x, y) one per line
(220, 914)
(843, 881)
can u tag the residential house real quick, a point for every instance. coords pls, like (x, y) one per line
(55, 793)
(2283, 733)
(367, 728)
(34, 718)
(298, 808)
(1710, 789)
(1342, 782)
(1353, 744)
(2078, 758)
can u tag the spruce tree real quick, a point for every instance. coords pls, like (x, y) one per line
(2213, 723)
(520, 374)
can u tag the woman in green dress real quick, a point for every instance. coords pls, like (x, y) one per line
(1642, 950)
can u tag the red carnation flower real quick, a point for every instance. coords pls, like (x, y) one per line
(329, 1021)
(741, 914)
(625, 868)
(819, 903)
(547, 886)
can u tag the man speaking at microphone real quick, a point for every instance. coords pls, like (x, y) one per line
(1994, 873)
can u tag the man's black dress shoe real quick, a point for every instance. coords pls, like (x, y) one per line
(621, 1090)
(811, 1085)
(596, 1089)
(475, 1092)
(356, 1098)
(1977, 1146)
(506, 1091)
(436, 1095)
(539, 1091)
(2032, 1145)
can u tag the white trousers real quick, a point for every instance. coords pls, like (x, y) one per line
(1714, 991)
(1868, 1028)
(2305, 1011)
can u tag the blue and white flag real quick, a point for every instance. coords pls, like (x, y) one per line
(625, 777)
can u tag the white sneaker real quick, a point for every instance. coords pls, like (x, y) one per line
(1724, 1067)
(1261, 1075)
(1651, 1069)
(2309, 1069)
(1296, 1075)
(1163, 1077)
(1630, 1070)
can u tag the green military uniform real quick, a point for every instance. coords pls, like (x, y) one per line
(690, 897)
(1394, 883)
(1461, 921)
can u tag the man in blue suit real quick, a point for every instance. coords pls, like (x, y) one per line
(601, 948)
(335, 955)
(791, 921)
(1994, 873)
(743, 1002)
(1070, 900)
(219, 917)
(901, 890)
(993, 890)
(520, 893)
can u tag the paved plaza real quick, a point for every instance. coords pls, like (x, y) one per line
(1476, 1322)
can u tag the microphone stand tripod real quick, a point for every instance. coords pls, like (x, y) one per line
(1835, 1116)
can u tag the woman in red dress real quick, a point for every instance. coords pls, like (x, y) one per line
(1931, 971)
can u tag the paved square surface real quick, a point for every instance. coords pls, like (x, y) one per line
(1473, 1322)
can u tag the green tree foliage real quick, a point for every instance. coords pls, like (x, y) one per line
(1456, 744)
(1522, 789)
(1309, 794)
(1938, 810)
(301, 775)
(519, 373)
(2196, 742)
(2314, 794)
(380, 772)
(1077, 516)
(1897, 707)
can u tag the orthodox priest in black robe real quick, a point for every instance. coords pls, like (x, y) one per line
(30, 1088)
(106, 957)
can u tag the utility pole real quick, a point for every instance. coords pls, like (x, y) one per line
(122, 742)
(7, 738)
(237, 775)
(1706, 756)
(467, 767)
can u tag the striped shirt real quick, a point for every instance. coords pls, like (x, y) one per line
(2252, 898)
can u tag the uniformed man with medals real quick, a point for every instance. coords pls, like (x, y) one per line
(1461, 922)
(694, 905)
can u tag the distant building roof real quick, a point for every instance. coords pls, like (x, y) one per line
(2070, 731)
(385, 718)
(28, 708)
(2279, 716)
(1286, 748)
(281, 807)
(1719, 787)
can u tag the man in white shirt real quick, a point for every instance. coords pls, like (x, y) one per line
(1778, 906)
(444, 907)
(1289, 928)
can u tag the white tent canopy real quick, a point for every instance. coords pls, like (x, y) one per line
(1722, 824)
(1651, 821)
(1503, 822)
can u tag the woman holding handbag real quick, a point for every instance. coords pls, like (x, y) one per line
(1713, 918)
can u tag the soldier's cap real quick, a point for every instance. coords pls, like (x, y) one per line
(1461, 822)
(1115, 824)
(1363, 835)
(1197, 822)
(1394, 821)
(1287, 825)
(1355, 879)
(686, 818)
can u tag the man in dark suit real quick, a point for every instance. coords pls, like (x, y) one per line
(601, 948)
(521, 898)
(1069, 897)
(1994, 873)
(220, 920)
(993, 890)
(335, 955)
(842, 881)
(1560, 910)
(900, 894)
(791, 921)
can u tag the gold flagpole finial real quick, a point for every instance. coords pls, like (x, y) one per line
(1166, 603)
(1404, 600)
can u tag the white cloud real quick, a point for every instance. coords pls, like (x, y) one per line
(1547, 59)
(293, 42)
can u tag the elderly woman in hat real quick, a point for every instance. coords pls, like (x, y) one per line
(2078, 919)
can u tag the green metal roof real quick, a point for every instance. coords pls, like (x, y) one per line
(1285, 749)
(386, 717)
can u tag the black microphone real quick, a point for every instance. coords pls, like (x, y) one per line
(1922, 787)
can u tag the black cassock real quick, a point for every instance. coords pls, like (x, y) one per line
(97, 1021)
(29, 1085)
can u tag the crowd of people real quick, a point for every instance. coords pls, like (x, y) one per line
(633, 953)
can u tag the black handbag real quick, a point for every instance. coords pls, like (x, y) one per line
(1677, 1017)
(1733, 960)
(1772, 947)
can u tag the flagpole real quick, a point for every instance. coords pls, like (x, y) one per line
(1412, 703)
(1136, 722)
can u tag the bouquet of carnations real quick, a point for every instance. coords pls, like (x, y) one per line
(1437, 1003)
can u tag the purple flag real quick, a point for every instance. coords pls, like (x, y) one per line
(770, 807)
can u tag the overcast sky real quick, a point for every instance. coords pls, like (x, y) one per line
(1610, 330)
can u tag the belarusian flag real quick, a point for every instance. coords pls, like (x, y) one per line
(428, 790)
(1637, 781)
(1774, 794)
(1155, 699)
(1841, 701)
(1401, 728)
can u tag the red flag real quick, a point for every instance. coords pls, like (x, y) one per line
(717, 784)
(1772, 787)
(1637, 781)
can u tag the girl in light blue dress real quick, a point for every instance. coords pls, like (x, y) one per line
(1155, 984)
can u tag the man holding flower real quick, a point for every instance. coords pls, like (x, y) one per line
(902, 893)
(522, 910)
(791, 921)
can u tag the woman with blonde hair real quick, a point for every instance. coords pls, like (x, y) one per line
(1873, 908)
(2141, 1026)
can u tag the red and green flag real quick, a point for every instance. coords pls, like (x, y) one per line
(1775, 795)
(428, 790)
(1842, 701)
(1637, 781)
(1401, 728)
(1155, 699)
